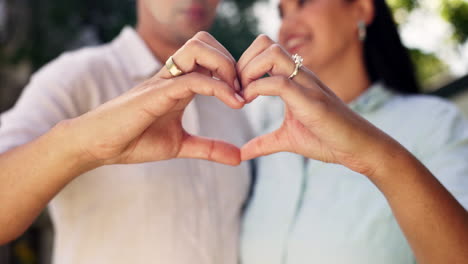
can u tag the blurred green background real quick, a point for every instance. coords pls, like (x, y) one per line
(34, 32)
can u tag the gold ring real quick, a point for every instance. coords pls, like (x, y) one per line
(298, 63)
(172, 68)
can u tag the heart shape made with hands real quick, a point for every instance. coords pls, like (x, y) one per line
(204, 55)
(312, 111)
(145, 123)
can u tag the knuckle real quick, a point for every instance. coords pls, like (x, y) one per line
(276, 49)
(262, 38)
(194, 44)
(202, 35)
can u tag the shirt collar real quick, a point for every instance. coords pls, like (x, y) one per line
(141, 65)
(374, 97)
(135, 54)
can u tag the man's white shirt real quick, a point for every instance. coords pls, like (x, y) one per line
(177, 211)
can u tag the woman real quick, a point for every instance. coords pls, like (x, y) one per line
(321, 208)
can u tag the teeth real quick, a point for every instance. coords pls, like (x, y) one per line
(294, 42)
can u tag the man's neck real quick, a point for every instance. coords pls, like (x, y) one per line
(157, 43)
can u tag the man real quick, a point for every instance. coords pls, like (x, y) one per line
(80, 113)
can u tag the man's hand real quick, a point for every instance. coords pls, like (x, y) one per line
(144, 124)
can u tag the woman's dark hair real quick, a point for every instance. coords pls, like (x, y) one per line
(387, 60)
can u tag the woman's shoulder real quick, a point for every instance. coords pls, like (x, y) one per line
(419, 119)
(421, 106)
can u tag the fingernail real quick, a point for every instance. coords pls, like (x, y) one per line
(237, 85)
(239, 98)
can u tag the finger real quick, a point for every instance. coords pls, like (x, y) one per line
(210, 40)
(209, 149)
(165, 95)
(196, 83)
(261, 43)
(196, 53)
(280, 86)
(264, 145)
(266, 62)
(275, 61)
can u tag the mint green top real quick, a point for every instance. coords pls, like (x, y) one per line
(313, 212)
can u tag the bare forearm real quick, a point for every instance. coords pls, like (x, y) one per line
(434, 223)
(31, 176)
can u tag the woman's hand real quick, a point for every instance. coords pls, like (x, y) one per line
(144, 124)
(317, 123)
(320, 126)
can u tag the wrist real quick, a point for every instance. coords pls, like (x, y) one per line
(391, 162)
(66, 136)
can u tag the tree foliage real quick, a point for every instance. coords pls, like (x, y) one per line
(456, 13)
(429, 67)
(237, 29)
(405, 4)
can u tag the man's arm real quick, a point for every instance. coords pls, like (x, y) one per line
(32, 175)
(142, 125)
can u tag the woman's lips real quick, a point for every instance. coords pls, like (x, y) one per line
(293, 44)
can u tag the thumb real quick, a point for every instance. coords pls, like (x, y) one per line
(209, 149)
(264, 145)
